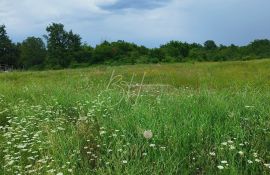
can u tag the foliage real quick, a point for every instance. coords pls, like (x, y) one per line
(210, 45)
(63, 46)
(65, 49)
(205, 118)
(33, 52)
(176, 49)
(8, 51)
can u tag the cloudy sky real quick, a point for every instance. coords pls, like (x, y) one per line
(147, 22)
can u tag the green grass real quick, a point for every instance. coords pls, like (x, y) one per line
(72, 122)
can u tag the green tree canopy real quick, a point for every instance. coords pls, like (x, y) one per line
(176, 49)
(259, 48)
(33, 52)
(9, 53)
(210, 45)
(62, 45)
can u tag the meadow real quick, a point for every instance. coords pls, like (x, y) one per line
(184, 118)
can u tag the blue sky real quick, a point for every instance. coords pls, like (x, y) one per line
(147, 22)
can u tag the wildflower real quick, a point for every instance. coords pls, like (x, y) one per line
(224, 143)
(31, 158)
(163, 147)
(152, 145)
(267, 165)
(61, 129)
(11, 162)
(212, 153)
(232, 147)
(255, 154)
(28, 166)
(144, 154)
(102, 132)
(257, 160)
(51, 171)
(124, 161)
(230, 141)
(224, 161)
(148, 134)
(220, 167)
(249, 161)
(21, 146)
(241, 153)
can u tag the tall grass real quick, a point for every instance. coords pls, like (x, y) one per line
(206, 118)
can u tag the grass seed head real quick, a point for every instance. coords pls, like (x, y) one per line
(148, 134)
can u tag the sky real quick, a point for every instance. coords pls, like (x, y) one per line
(144, 22)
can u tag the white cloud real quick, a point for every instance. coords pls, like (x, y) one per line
(237, 21)
(22, 13)
(26, 17)
(30, 17)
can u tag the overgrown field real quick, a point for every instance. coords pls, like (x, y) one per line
(206, 118)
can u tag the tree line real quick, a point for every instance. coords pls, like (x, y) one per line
(63, 49)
